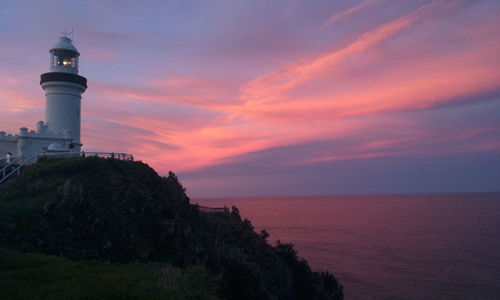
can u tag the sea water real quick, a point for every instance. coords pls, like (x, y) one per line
(390, 247)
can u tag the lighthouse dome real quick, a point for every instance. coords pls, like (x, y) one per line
(64, 43)
(64, 56)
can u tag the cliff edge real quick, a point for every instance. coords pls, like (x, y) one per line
(124, 213)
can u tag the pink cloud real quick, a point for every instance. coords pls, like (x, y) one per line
(346, 13)
(191, 119)
(195, 91)
(351, 81)
(277, 82)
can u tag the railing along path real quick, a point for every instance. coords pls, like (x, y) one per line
(14, 165)
(212, 210)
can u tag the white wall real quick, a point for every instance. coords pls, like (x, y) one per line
(8, 146)
(62, 108)
(30, 146)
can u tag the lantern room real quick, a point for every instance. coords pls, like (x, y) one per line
(64, 56)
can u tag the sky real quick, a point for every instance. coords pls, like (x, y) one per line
(282, 97)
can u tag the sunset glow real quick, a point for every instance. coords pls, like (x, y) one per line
(255, 97)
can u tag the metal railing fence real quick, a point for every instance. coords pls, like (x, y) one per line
(207, 209)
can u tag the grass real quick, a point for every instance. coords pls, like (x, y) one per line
(37, 276)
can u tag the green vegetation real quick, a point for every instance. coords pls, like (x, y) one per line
(123, 212)
(37, 276)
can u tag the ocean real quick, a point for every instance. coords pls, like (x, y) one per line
(389, 247)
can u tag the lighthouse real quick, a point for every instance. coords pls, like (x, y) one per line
(63, 88)
(63, 95)
(59, 135)
(60, 132)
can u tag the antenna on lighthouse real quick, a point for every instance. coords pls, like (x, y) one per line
(67, 33)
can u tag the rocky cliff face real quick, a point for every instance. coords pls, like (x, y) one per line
(121, 211)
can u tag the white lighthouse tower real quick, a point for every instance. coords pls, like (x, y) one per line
(60, 133)
(63, 93)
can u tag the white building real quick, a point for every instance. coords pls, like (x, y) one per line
(63, 89)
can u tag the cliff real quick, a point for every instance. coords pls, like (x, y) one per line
(123, 212)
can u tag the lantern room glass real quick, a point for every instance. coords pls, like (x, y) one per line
(61, 59)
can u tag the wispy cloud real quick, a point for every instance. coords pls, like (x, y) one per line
(280, 81)
(243, 87)
(344, 83)
(346, 13)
